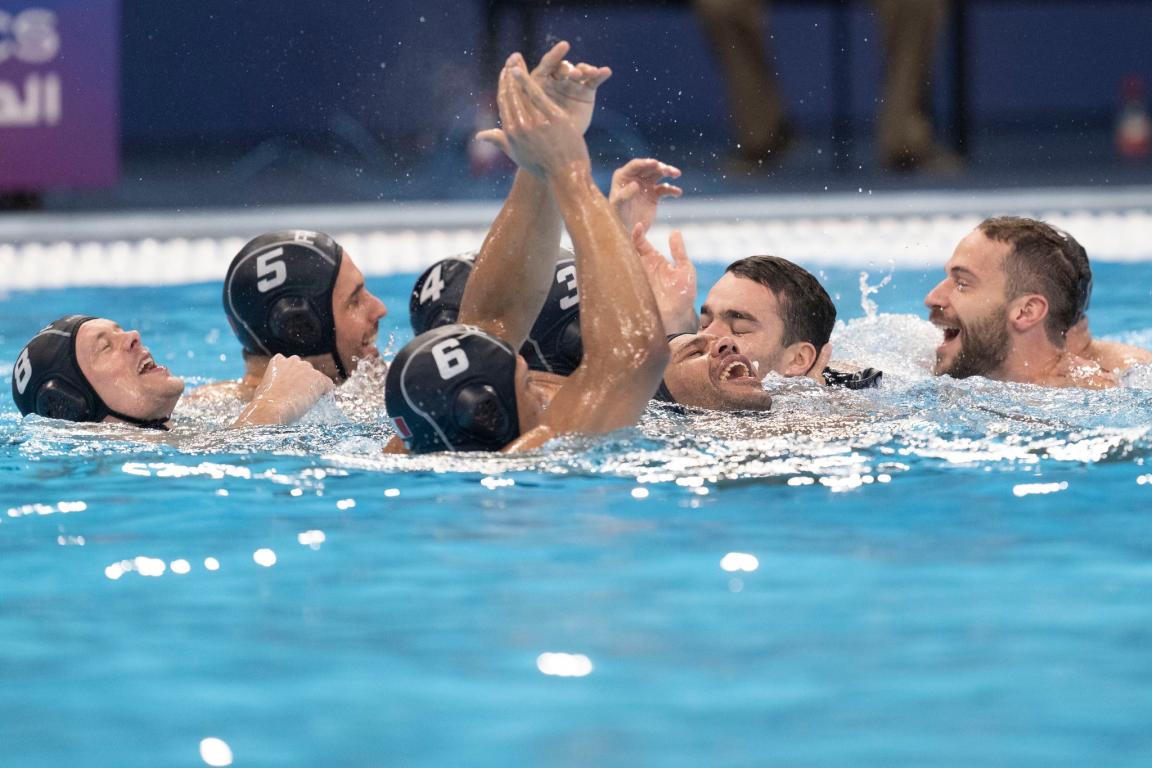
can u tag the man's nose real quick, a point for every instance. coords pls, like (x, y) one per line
(725, 345)
(130, 339)
(381, 310)
(938, 296)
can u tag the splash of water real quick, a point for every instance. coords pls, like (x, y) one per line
(870, 307)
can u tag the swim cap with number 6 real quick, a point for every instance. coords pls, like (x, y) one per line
(454, 389)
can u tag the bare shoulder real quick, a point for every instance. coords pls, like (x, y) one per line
(1084, 373)
(1115, 356)
(220, 390)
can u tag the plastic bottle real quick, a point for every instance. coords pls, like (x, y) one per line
(1133, 126)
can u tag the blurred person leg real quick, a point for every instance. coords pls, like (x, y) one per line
(20, 201)
(735, 29)
(910, 30)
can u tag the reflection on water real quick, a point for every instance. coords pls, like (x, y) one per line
(867, 569)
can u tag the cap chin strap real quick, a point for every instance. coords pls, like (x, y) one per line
(340, 369)
(160, 424)
(663, 394)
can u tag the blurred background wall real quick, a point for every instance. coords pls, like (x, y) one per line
(388, 92)
(229, 71)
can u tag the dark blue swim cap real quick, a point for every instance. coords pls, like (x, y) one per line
(278, 294)
(553, 345)
(435, 299)
(454, 389)
(47, 379)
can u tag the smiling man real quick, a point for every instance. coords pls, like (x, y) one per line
(764, 315)
(1013, 290)
(297, 292)
(89, 369)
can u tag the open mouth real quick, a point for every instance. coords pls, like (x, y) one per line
(148, 365)
(951, 336)
(368, 345)
(737, 368)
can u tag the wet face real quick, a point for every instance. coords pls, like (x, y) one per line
(970, 305)
(121, 370)
(357, 315)
(749, 313)
(707, 371)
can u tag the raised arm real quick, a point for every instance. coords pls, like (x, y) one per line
(637, 188)
(624, 345)
(523, 239)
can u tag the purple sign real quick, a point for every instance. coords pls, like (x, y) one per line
(59, 94)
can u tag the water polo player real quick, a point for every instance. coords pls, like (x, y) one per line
(297, 292)
(1014, 288)
(463, 387)
(89, 369)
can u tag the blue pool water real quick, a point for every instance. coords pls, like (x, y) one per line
(941, 573)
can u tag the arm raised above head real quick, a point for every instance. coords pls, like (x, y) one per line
(514, 268)
(624, 344)
(625, 348)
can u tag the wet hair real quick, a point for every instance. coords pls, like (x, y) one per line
(806, 309)
(1046, 261)
(1084, 287)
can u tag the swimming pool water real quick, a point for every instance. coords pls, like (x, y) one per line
(936, 573)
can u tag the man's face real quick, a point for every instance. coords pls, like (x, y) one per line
(123, 373)
(971, 307)
(749, 313)
(357, 315)
(706, 371)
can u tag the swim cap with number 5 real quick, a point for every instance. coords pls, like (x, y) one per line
(278, 294)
